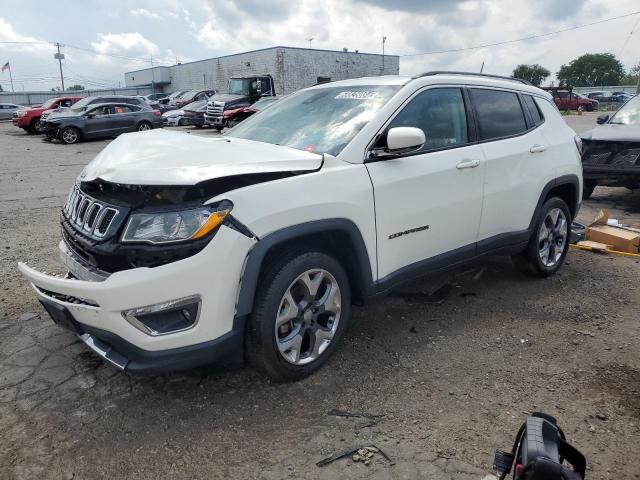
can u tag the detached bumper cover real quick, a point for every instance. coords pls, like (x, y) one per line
(97, 306)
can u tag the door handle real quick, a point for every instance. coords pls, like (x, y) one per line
(537, 148)
(468, 164)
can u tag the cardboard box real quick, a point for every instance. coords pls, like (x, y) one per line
(620, 239)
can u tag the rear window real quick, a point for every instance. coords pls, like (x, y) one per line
(499, 113)
(534, 110)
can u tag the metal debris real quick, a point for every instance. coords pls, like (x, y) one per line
(363, 453)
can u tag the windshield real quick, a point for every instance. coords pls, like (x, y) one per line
(48, 103)
(81, 105)
(188, 95)
(629, 114)
(239, 86)
(321, 120)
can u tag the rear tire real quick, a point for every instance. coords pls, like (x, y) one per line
(143, 127)
(219, 128)
(181, 122)
(588, 186)
(549, 242)
(70, 135)
(300, 313)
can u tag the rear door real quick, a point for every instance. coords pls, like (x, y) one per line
(428, 203)
(513, 147)
(123, 118)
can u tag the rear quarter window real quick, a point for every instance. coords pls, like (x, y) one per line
(498, 112)
(534, 109)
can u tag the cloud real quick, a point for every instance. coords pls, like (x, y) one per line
(415, 6)
(130, 44)
(143, 12)
(560, 10)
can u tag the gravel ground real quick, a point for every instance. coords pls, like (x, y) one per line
(450, 382)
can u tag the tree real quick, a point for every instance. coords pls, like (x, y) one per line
(75, 87)
(591, 70)
(631, 78)
(536, 74)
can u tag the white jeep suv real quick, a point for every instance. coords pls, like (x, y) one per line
(184, 250)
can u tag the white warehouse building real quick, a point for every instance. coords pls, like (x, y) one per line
(292, 69)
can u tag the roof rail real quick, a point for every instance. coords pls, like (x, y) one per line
(488, 75)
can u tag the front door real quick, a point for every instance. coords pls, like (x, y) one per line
(428, 203)
(97, 121)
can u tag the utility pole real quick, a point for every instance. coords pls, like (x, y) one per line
(482, 67)
(204, 80)
(59, 56)
(310, 40)
(153, 77)
(637, 87)
(384, 39)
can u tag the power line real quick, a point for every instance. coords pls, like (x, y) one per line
(530, 37)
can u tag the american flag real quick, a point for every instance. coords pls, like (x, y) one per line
(6, 66)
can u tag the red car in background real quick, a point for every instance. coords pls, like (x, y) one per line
(29, 118)
(566, 99)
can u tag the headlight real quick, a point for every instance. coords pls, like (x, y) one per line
(175, 226)
(21, 113)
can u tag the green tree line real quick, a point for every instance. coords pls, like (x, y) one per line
(589, 70)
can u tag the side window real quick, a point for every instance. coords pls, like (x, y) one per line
(499, 113)
(441, 115)
(121, 109)
(534, 110)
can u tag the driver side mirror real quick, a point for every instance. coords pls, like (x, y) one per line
(90, 115)
(602, 119)
(401, 140)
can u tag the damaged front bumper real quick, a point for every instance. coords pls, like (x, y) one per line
(97, 306)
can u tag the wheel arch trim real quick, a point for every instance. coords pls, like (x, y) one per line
(256, 256)
(570, 179)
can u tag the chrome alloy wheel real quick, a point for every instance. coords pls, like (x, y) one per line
(70, 136)
(144, 127)
(308, 317)
(552, 237)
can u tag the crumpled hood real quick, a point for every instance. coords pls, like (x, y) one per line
(611, 132)
(227, 98)
(161, 157)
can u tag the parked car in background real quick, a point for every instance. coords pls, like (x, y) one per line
(84, 103)
(101, 120)
(170, 98)
(194, 113)
(156, 97)
(611, 151)
(7, 109)
(610, 97)
(173, 118)
(228, 109)
(29, 118)
(190, 97)
(574, 101)
(257, 244)
(263, 103)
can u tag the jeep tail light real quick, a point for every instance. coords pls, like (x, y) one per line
(156, 113)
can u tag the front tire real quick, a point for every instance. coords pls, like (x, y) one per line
(301, 312)
(549, 243)
(70, 135)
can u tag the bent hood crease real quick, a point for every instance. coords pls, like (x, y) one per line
(159, 157)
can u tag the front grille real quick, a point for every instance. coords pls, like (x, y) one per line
(215, 109)
(88, 215)
(627, 158)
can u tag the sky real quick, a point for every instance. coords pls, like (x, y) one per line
(102, 39)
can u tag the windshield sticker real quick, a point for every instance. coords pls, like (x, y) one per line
(356, 95)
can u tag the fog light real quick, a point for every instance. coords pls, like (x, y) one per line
(164, 318)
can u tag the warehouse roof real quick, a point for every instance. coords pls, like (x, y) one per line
(265, 49)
